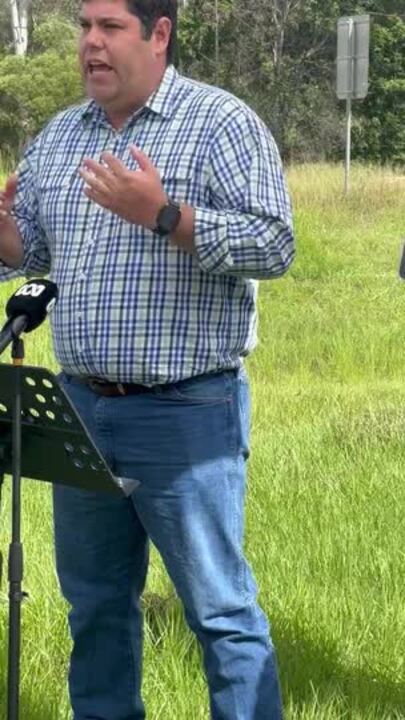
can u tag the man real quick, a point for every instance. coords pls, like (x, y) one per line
(154, 206)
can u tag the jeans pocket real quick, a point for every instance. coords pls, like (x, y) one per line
(210, 389)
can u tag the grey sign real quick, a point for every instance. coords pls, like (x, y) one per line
(353, 57)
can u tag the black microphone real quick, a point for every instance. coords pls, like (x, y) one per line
(27, 308)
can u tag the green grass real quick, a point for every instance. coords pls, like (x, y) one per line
(326, 498)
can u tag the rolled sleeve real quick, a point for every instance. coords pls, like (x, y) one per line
(248, 230)
(36, 256)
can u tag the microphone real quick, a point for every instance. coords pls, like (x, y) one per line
(27, 308)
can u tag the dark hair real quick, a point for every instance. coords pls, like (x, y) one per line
(149, 11)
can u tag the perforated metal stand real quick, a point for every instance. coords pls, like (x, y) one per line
(56, 446)
(43, 438)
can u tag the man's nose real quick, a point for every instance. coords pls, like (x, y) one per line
(94, 37)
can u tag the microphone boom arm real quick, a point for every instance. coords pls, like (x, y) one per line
(12, 331)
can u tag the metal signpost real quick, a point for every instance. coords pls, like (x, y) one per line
(352, 70)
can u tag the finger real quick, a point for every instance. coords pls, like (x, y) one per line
(5, 203)
(144, 162)
(93, 182)
(97, 170)
(114, 164)
(11, 187)
(95, 196)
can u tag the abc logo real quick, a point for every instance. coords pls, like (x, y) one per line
(31, 289)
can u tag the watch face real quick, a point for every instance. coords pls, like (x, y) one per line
(168, 218)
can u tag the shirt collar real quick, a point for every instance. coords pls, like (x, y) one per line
(161, 102)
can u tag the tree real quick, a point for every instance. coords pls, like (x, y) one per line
(35, 87)
(379, 133)
(277, 55)
(19, 25)
(19, 18)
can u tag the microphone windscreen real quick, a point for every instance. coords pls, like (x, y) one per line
(34, 299)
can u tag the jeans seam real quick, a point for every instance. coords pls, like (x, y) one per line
(176, 395)
(100, 412)
(234, 406)
(131, 682)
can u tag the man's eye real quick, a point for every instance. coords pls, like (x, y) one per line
(85, 26)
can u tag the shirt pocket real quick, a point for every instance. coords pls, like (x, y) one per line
(61, 199)
(182, 189)
(57, 177)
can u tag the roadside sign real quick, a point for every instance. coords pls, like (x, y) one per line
(353, 49)
(353, 57)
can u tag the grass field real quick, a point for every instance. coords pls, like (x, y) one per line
(326, 500)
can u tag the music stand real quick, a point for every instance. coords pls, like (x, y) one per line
(43, 438)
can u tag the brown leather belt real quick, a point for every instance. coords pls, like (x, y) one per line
(116, 389)
(113, 389)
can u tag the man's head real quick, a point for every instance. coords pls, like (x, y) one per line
(149, 12)
(125, 47)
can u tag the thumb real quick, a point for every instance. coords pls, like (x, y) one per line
(144, 162)
(11, 187)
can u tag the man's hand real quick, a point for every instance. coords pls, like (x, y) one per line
(11, 246)
(7, 197)
(134, 195)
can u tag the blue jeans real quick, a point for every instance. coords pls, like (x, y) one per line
(187, 444)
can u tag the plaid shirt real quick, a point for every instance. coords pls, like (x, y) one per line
(132, 306)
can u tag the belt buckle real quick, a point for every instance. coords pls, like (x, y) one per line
(121, 389)
(95, 384)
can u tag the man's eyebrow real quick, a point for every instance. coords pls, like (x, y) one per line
(85, 21)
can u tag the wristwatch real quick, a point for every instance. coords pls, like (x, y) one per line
(168, 218)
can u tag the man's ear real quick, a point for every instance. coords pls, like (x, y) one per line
(161, 34)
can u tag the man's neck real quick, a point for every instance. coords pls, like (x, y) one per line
(119, 117)
(118, 120)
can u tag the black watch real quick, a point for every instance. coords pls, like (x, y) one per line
(168, 218)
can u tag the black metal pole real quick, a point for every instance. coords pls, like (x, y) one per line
(1, 490)
(15, 560)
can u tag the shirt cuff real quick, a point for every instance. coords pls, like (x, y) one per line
(36, 254)
(210, 239)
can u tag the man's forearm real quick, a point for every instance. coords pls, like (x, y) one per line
(239, 244)
(11, 246)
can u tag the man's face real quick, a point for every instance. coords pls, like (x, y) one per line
(120, 68)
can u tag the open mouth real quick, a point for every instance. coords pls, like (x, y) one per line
(98, 68)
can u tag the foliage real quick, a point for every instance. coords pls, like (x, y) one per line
(277, 55)
(36, 87)
(269, 54)
(380, 132)
(56, 34)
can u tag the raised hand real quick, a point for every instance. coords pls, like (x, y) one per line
(7, 197)
(135, 195)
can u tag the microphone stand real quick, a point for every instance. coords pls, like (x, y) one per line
(15, 560)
